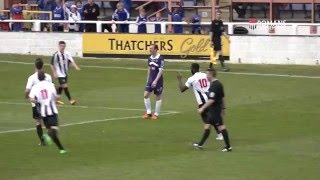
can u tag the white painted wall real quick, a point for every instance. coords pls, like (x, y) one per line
(39, 43)
(275, 50)
(249, 49)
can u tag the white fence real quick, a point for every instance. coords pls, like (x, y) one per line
(260, 29)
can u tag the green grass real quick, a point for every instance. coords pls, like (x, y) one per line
(273, 124)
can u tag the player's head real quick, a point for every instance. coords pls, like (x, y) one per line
(62, 46)
(195, 67)
(41, 76)
(218, 14)
(38, 64)
(154, 49)
(211, 74)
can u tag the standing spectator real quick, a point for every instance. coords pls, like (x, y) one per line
(141, 21)
(177, 15)
(121, 14)
(157, 27)
(196, 20)
(4, 26)
(127, 5)
(241, 9)
(58, 14)
(79, 7)
(74, 16)
(46, 5)
(16, 13)
(27, 26)
(91, 12)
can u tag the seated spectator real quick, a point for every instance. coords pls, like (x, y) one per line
(4, 26)
(16, 13)
(121, 14)
(46, 5)
(91, 12)
(141, 21)
(74, 16)
(158, 18)
(177, 15)
(196, 27)
(58, 14)
(27, 26)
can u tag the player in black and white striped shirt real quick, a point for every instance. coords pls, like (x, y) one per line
(45, 94)
(61, 60)
(200, 85)
(32, 81)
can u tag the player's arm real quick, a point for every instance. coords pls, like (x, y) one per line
(53, 69)
(148, 73)
(26, 93)
(73, 63)
(32, 96)
(182, 86)
(28, 88)
(211, 100)
(158, 77)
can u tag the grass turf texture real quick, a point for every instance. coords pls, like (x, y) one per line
(273, 124)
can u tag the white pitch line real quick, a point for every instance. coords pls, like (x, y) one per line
(85, 122)
(182, 70)
(84, 107)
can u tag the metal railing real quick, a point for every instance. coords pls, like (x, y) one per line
(231, 25)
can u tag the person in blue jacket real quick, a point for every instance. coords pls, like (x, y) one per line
(141, 21)
(196, 20)
(46, 5)
(177, 16)
(121, 14)
(58, 14)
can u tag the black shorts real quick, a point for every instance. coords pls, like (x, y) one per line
(204, 115)
(215, 117)
(36, 112)
(50, 121)
(63, 80)
(217, 46)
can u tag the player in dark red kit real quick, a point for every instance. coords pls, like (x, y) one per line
(154, 82)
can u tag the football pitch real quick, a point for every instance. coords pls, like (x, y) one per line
(273, 117)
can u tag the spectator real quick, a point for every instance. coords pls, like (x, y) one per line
(121, 14)
(16, 13)
(4, 26)
(91, 12)
(176, 17)
(196, 27)
(141, 21)
(157, 27)
(46, 5)
(79, 6)
(241, 9)
(58, 14)
(74, 16)
(127, 5)
(27, 26)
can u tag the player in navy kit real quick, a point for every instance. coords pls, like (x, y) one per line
(154, 82)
